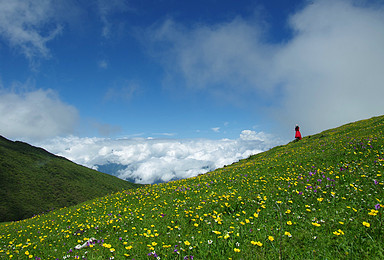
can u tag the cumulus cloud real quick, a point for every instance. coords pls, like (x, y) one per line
(332, 68)
(159, 160)
(28, 25)
(328, 73)
(249, 135)
(35, 115)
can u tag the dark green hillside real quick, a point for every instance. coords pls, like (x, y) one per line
(33, 181)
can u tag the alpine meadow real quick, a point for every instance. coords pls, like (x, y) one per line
(318, 198)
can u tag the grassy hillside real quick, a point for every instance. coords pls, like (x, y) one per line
(33, 181)
(319, 198)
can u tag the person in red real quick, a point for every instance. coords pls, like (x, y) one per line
(298, 134)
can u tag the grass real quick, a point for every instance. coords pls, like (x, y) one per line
(319, 198)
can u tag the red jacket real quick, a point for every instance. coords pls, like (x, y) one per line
(298, 134)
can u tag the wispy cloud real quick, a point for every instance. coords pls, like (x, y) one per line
(327, 74)
(103, 64)
(28, 25)
(220, 57)
(153, 160)
(164, 134)
(122, 90)
(106, 9)
(104, 129)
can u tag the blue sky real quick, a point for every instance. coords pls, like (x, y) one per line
(187, 70)
(101, 58)
(206, 69)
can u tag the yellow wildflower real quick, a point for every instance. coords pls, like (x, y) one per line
(258, 243)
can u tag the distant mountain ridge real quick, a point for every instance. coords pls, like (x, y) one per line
(33, 181)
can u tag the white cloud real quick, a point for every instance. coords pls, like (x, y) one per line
(332, 68)
(329, 73)
(106, 8)
(216, 129)
(103, 64)
(249, 135)
(28, 25)
(122, 90)
(228, 57)
(164, 134)
(153, 160)
(35, 115)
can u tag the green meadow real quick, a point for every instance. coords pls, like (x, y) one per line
(318, 198)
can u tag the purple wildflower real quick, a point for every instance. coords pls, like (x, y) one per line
(377, 206)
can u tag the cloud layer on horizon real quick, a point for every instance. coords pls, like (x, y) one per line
(160, 160)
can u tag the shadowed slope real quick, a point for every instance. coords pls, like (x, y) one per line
(33, 180)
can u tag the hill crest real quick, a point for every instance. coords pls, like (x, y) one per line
(33, 181)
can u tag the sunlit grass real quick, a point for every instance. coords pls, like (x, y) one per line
(321, 197)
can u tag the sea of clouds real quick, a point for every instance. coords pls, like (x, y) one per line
(148, 160)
